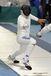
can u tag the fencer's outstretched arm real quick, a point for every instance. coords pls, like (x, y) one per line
(33, 17)
(44, 30)
(37, 19)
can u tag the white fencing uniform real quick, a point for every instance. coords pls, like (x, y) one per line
(44, 30)
(23, 37)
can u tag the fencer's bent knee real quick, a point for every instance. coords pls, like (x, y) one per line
(33, 41)
(49, 27)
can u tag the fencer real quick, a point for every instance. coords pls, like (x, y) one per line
(44, 30)
(23, 36)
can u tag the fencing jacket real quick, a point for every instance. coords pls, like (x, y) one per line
(24, 25)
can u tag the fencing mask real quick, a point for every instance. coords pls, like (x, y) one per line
(26, 10)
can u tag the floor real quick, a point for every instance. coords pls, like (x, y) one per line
(6, 71)
(40, 59)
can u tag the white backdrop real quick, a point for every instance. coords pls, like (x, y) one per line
(19, 2)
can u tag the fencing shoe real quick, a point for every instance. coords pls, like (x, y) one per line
(27, 65)
(39, 34)
(13, 59)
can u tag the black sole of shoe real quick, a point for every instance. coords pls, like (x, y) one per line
(16, 61)
(29, 67)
